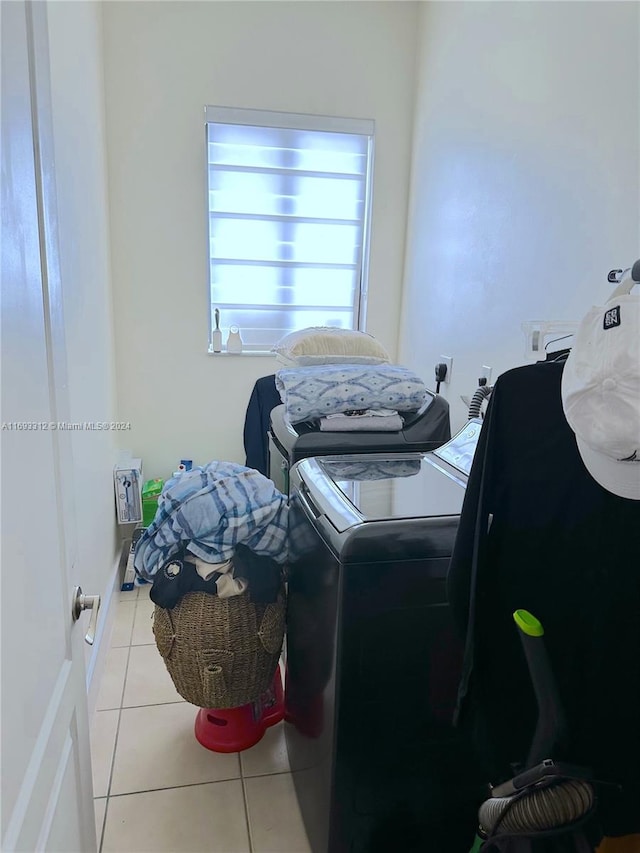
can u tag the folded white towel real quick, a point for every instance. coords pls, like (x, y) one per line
(365, 413)
(361, 423)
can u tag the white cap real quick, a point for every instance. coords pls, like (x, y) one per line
(601, 392)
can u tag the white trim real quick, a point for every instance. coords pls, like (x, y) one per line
(245, 352)
(100, 648)
(363, 284)
(293, 121)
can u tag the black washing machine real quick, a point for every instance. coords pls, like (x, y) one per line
(373, 660)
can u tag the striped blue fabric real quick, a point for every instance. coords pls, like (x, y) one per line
(211, 509)
(385, 469)
(313, 392)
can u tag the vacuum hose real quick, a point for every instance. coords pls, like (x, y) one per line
(537, 809)
(481, 394)
(543, 805)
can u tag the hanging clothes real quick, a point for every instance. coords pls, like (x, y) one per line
(537, 532)
(263, 398)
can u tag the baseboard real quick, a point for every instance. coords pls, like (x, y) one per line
(104, 628)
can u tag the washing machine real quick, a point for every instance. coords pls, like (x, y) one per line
(373, 660)
(425, 429)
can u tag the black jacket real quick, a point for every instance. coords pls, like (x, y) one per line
(256, 424)
(546, 537)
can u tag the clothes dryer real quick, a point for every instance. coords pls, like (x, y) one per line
(424, 430)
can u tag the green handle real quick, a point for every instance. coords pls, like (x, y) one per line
(528, 623)
(551, 726)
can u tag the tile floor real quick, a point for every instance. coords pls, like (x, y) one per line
(156, 789)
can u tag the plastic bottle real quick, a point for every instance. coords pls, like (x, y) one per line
(234, 341)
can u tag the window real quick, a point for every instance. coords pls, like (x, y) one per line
(288, 208)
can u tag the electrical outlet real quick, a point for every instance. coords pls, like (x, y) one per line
(448, 360)
(485, 373)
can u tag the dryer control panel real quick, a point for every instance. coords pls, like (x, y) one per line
(460, 451)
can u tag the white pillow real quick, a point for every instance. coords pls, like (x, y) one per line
(329, 345)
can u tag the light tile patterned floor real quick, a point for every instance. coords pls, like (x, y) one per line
(156, 788)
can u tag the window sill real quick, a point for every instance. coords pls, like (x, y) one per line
(244, 353)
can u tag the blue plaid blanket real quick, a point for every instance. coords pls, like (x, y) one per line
(211, 509)
(327, 389)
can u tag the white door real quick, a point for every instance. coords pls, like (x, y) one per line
(47, 797)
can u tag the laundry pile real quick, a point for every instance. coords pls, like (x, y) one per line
(350, 397)
(343, 381)
(219, 529)
(235, 576)
(215, 553)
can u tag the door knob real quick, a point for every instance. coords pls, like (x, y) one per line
(86, 602)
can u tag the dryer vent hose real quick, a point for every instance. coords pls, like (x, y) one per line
(538, 810)
(475, 406)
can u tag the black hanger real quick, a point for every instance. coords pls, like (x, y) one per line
(560, 355)
(557, 355)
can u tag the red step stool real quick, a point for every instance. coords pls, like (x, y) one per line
(235, 729)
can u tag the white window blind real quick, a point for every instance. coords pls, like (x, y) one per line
(288, 208)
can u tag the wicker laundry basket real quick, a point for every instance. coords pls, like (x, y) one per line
(220, 652)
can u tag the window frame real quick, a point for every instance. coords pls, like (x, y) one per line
(298, 121)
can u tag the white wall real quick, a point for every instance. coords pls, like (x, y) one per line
(77, 90)
(525, 184)
(164, 61)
